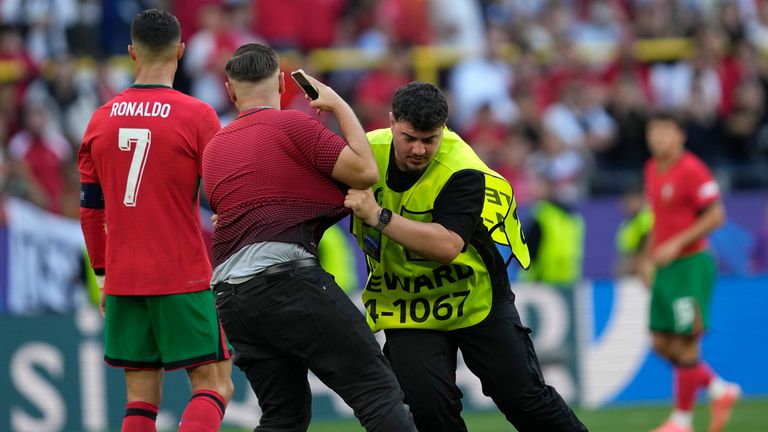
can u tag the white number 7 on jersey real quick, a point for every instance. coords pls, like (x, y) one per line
(142, 139)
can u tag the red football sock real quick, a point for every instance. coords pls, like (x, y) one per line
(686, 384)
(139, 417)
(204, 412)
(688, 379)
(705, 374)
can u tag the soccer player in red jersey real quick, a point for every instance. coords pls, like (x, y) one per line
(686, 206)
(140, 162)
(276, 178)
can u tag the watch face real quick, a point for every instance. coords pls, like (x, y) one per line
(385, 215)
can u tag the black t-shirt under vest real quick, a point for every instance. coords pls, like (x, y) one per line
(458, 208)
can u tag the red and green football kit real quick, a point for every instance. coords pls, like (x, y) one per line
(682, 291)
(140, 164)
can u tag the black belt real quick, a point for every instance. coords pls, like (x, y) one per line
(288, 266)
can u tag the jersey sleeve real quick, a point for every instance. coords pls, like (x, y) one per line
(702, 186)
(208, 126)
(647, 169)
(459, 205)
(318, 143)
(92, 218)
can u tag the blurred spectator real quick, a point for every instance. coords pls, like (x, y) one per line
(16, 66)
(757, 27)
(486, 135)
(671, 84)
(629, 109)
(560, 71)
(70, 98)
(83, 36)
(512, 163)
(555, 237)
(208, 51)
(10, 118)
(375, 89)
(661, 19)
(45, 24)
(485, 80)
(280, 22)
(322, 19)
(299, 24)
(116, 16)
(703, 129)
(409, 20)
(458, 24)
(188, 12)
(562, 165)
(45, 153)
(599, 34)
(110, 79)
(625, 66)
(579, 118)
(746, 122)
(730, 21)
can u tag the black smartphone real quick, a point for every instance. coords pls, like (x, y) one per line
(301, 79)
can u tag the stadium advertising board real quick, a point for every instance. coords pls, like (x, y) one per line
(592, 343)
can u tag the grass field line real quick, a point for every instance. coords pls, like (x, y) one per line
(750, 415)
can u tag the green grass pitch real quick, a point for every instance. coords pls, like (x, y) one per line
(750, 415)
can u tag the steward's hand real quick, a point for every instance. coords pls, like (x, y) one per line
(363, 205)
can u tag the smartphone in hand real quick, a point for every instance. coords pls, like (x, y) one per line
(301, 79)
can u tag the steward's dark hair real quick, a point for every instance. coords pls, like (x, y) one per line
(155, 30)
(668, 116)
(252, 62)
(422, 105)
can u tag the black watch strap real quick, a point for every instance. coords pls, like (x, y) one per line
(385, 215)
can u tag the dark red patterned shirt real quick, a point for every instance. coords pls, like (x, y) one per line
(268, 177)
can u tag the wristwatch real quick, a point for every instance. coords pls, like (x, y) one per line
(385, 215)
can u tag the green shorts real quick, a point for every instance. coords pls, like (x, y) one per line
(681, 295)
(169, 331)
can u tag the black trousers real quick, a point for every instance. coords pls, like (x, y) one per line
(284, 324)
(499, 351)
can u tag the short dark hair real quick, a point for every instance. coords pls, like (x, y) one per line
(252, 62)
(155, 29)
(422, 105)
(668, 116)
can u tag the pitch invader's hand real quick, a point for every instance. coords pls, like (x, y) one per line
(102, 296)
(327, 98)
(363, 205)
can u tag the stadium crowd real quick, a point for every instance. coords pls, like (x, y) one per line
(556, 88)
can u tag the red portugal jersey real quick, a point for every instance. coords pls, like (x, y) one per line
(268, 177)
(144, 150)
(677, 197)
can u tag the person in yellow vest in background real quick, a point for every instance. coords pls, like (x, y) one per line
(93, 292)
(338, 258)
(437, 282)
(555, 237)
(632, 232)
